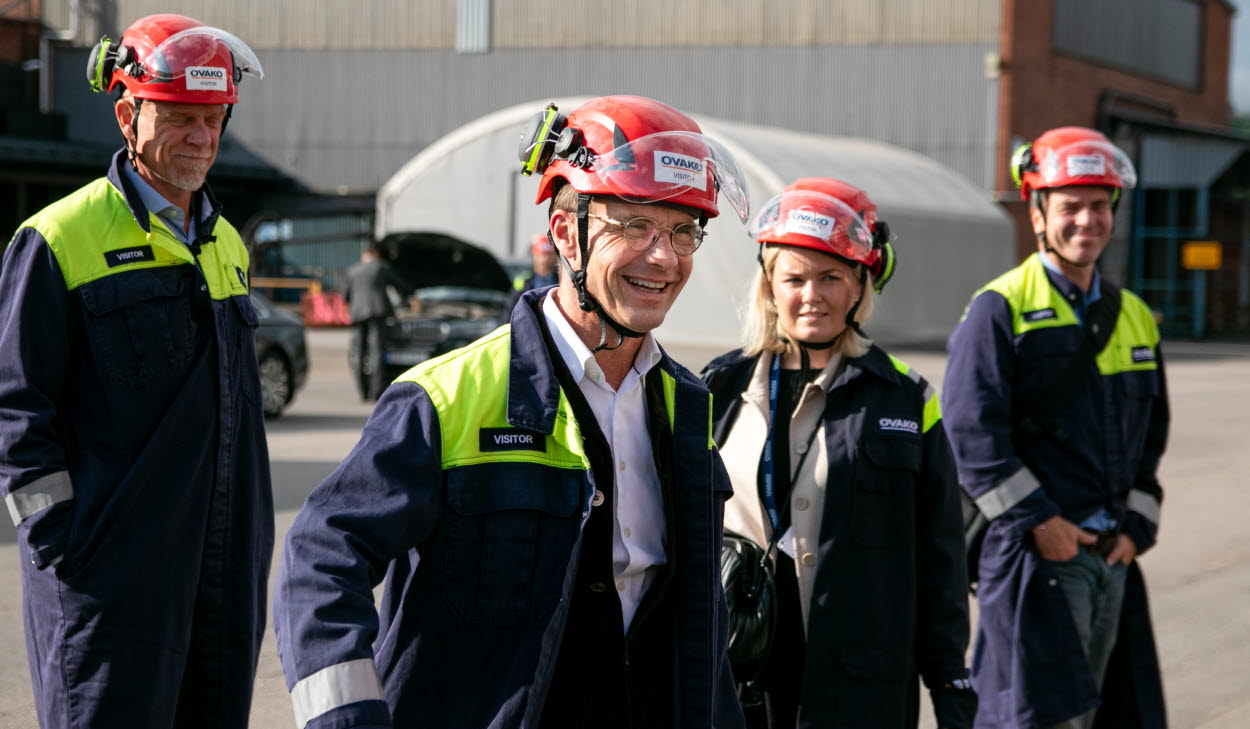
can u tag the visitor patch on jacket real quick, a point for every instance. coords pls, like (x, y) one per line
(1143, 354)
(494, 440)
(123, 256)
(1040, 315)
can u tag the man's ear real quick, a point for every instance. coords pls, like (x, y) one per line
(563, 226)
(124, 110)
(1038, 220)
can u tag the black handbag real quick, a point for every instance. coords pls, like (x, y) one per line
(747, 575)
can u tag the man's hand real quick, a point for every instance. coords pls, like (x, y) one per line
(1125, 550)
(1058, 539)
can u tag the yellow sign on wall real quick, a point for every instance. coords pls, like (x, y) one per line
(1202, 255)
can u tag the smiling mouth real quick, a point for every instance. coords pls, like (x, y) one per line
(650, 287)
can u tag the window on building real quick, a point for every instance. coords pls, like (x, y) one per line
(1158, 38)
(473, 26)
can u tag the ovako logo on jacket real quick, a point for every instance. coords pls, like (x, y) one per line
(899, 425)
(493, 440)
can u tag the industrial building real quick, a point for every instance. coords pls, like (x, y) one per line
(354, 91)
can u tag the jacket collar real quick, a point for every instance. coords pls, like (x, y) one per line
(134, 200)
(533, 391)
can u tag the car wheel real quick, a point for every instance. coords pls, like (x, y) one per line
(275, 383)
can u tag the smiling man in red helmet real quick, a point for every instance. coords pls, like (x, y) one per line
(132, 449)
(1057, 413)
(546, 503)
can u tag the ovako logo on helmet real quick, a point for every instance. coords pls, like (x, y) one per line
(1069, 156)
(830, 216)
(635, 148)
(173, 58)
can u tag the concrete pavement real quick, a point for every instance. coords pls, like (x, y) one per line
(1199, 574)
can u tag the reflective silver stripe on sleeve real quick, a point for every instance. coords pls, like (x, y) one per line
(335, 686)
(38, 495)
(1009, 492)
(1145, 504)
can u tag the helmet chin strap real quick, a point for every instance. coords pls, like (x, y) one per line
(585, 299)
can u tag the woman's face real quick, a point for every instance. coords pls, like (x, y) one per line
(812, 292)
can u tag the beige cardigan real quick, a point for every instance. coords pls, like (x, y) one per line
(741, 452)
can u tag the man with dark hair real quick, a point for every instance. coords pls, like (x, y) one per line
(1057, 413)
(368, 297)
(546, 503)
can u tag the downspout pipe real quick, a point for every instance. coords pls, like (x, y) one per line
(46, 39)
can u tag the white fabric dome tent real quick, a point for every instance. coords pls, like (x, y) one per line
(950, 238)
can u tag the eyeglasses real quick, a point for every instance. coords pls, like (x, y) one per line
(642, 233)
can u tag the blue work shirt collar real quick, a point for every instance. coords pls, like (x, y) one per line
(1079, 300)
(141, 197)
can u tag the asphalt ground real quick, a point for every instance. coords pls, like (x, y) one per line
(1199, 574)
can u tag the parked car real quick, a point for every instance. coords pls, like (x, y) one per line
(459, 292)
(281, 354)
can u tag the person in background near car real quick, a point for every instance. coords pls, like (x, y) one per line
(546, 502)
(544, 273)
(132, 447)
(839, 448)
(1058, 416)
(369, 306)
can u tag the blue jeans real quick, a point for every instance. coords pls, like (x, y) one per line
(1095, 592)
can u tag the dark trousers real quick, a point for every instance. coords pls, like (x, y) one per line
(370, 370)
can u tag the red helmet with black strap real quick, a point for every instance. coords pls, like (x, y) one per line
(830, 216)
(1069, 156)
(634, 148)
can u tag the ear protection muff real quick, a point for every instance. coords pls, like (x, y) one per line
(100, 64)
(539, 139)
(885, 266)
(1022, 161)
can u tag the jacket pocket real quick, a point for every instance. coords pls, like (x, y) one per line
(245, 365)
(511, 535)
(139, 325)
(880, 501)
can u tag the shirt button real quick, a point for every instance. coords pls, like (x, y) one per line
(801, 448)
(802, 504)
(597, 499)
(808, 559)
(597, 587)
(626, 532)
(620, 585)
(620, 466)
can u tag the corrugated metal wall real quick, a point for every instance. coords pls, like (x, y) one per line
(410, 24)
(352, 118)
(908, 72)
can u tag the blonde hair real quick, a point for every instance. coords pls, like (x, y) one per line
(761, 327)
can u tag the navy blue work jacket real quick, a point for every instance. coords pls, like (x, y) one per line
(468, 492)
(133, 460)
(1102, 453)
(889, 599)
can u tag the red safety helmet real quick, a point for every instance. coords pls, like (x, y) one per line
(1071, 156)
(540, 243)
(830, 216)
(173, 58)
(636, 148)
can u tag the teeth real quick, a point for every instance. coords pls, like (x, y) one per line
(651, 285)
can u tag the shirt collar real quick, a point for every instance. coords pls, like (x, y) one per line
(1095, 286)
(578, 357)
(156, 202)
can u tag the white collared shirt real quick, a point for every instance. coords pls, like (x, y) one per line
(638, 540)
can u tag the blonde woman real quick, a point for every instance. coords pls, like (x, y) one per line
(837, 450)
